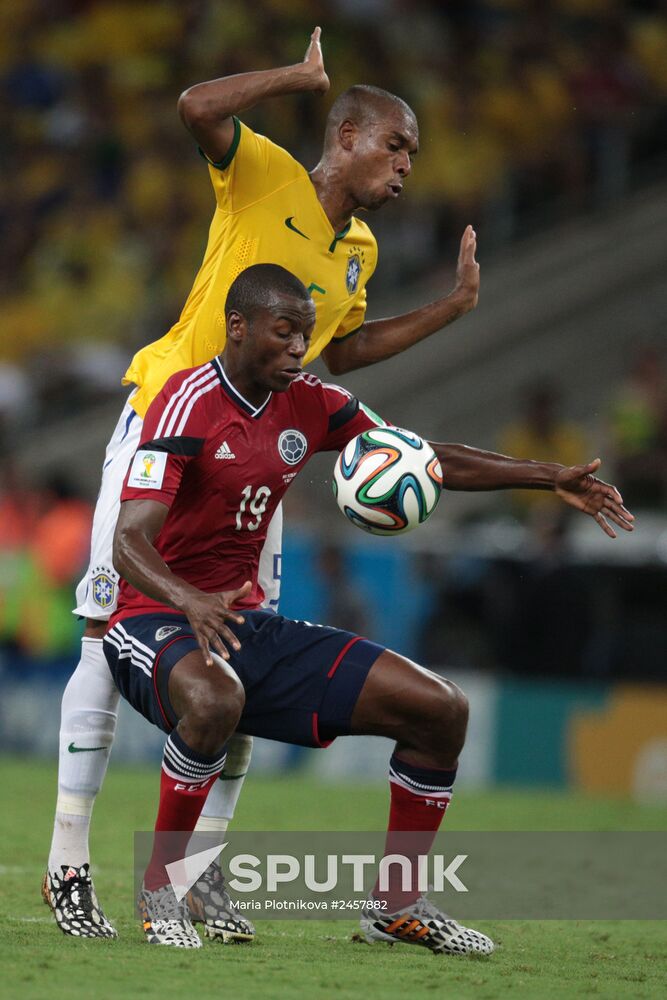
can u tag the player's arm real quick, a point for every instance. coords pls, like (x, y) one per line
(468, 469)
(377, 340)
(207, 108)
(138, 561)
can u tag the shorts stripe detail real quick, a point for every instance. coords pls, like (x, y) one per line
(146, 650)
(180, 399)
(316, 733)
(346, 648)
(127, 650)
(164, 649)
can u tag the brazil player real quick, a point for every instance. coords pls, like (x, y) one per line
(190, 645)
(268, 209)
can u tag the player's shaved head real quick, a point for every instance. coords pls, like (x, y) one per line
(364, 104)
(262, 286)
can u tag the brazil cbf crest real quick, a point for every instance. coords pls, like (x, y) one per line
(103, 587)
(292, 446)
(355, 262)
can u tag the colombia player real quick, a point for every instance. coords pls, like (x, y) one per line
(190, 646)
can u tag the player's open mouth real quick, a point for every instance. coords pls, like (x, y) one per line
(291, 372)
(395, 189)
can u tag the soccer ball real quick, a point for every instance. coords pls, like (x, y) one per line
(387, 480)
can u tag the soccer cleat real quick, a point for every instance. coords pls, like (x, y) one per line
(423, 923)
(71, 896)
(210, 904)
(166, 919)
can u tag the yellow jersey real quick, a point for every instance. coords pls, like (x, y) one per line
(267, 212)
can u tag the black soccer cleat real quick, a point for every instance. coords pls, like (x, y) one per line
(72, 899)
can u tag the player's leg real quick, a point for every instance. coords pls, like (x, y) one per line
(209, 900)
(167, 681)
(89, 711)
(205, 703)
(308, 684)
(427, 717)
(221, 803)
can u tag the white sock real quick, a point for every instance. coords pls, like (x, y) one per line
(87, 727)
(221, 801)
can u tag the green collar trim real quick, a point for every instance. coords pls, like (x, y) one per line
(229, 155)
(340, 236)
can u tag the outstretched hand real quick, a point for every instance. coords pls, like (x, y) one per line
(577, 486)
(313, 59)
(467, 269)
(208, 613)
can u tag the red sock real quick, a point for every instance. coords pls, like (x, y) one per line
(184, 784)
(419, 799)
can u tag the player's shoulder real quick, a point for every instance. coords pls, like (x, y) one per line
(189, 380)
(361, 233)
(261, 146)
(184, 402)
(312, 391)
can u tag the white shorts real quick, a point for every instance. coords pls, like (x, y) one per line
(97, 592)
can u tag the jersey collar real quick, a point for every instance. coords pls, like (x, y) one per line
(335, 237)
(253, 411)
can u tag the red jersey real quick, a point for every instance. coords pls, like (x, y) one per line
(222, 466)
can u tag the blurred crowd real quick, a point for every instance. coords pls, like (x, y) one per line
(529, 110)
(44, 542)
(546, 610)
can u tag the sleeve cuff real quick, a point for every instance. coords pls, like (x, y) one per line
(229, 155)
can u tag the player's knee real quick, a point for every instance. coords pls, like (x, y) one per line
(458, 703)
(450, 714)
(216, 704)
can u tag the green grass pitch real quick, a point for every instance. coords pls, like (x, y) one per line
(304, 959)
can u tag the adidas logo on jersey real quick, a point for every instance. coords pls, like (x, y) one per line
(224, 452)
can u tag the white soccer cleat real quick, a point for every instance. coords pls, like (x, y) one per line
(422, 923)
(209, 903)
(71, 896)
(166, 920)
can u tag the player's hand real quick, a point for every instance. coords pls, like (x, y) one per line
(577, 486)
(314, 61)
(208, 613)
(467, 270)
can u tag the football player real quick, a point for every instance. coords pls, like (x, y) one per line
(191, 646)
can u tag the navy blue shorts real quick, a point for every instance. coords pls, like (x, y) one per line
(301, 681)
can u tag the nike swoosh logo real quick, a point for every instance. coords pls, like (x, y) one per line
(290, 225)
(74, 749)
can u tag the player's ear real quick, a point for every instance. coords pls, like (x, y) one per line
(347, 134)
(236, 326)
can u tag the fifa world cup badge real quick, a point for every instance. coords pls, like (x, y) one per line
(147, 470)
(149, 462)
